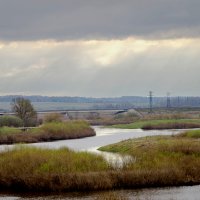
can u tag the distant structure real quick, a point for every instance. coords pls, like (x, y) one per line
(168, 100)
(178, 102)
(150, 101)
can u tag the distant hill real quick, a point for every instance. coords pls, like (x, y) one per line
(76, 99)
(118, 102)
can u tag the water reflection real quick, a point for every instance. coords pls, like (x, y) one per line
(104, 136)
(114, 159)
(173, 193)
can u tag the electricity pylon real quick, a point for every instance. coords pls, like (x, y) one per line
(150, 101)
(168, 100)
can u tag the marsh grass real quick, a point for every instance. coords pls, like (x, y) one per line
(36, 169)
(162, 124)
(159, 161)
(171, 125)
(23, 160)
(47, 132)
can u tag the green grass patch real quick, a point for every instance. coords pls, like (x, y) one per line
(191, 134)
(155, 144)
(167, 122)
(8, 130)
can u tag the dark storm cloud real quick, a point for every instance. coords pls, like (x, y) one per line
(83, 19)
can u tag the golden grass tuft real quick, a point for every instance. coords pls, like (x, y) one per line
(110, 196)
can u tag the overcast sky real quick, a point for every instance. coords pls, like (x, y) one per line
(99, 48)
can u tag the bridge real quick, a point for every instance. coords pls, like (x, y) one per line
(83, 114)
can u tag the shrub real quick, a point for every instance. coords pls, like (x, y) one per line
(12, 121)
(53, 117)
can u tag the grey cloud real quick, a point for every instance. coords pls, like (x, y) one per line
(78, 19)
(66, 70)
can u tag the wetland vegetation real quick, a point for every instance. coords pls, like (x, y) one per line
(158, 161)
(160, 124)
(50, 131)
(162, 160)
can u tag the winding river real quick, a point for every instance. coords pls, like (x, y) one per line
(105, 136)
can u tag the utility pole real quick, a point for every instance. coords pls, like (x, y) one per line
(150, 101)
(168, 100)
(178, 103)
